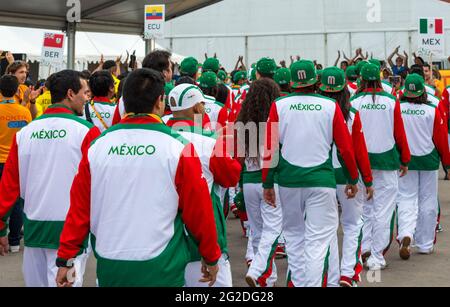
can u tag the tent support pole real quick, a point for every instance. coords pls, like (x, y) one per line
(71, 33)
(150, 45)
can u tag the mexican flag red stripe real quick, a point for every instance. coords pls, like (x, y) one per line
(431, 26)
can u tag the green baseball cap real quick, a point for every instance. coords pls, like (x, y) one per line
(376, 62)
(208, 80)
(211, 64)
(351, 72)
(303, 74)
(168, 87)
(189, 66)
(240, 75)
(283, 76)
(252, 74)
(333, 80)
(414, 86)
(266, 66)
(370, 72)
(359, 66)
(222, 75)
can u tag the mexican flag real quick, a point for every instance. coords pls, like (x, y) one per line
(431, 26)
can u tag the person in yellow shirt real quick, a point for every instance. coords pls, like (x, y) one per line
(44, 100)
(13, 117)
(26, 96)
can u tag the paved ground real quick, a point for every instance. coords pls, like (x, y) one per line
(419, 271)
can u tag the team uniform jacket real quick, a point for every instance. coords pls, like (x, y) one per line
(384, 141)
(219, 170)
(427, 136)
(216, 112)
(359, 145)
(137, 186)
(100, 107)
(300, 133)
(41, 166)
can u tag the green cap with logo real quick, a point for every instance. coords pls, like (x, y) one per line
(189, 66)
(208, 80)
(370, 72)
(333, 80)
(350, 73)
(266, 66)
(239, 75)
(222, 75)
(211, 64)
(414, 86)
(252, 74)
(282, 76)
(303, 74)
(359, 66)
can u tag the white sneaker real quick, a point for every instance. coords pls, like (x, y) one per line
(375, 266)
(14, 249)
(426, 252)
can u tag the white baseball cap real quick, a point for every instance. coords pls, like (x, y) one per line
(184, 97)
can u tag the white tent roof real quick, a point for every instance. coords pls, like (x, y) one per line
(110, 16)
(89, 46)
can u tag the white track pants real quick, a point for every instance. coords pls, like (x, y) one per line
(418, 208)
(352, 224)
(193, 274)
(265, 229)
(39, 267)
(379, 216)
(310, 223)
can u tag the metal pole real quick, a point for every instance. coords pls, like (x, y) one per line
(150, 45)
(247, 60)
(71, 33)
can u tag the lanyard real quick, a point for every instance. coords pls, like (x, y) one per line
(7, 101)
(154, 116)
(98, 115)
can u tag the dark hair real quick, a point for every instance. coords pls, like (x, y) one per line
(418, 100)
(421, 60)
(61, 82)
(109, 64)
(123, 75)
(158, 60)
(185, 80)
(286, 88)
(222, 93)
(256, 108)
(263, 75)
(85, 74)
(210, 91)
(417, 69)
(343, 100)
(15, 66)
(120, 89)
(142, 89)
(308, 89)
(426, 65)
(364, 85)
(100, 83)
(8, 85)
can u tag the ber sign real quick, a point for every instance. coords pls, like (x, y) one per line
(431, 37)
(53, 49)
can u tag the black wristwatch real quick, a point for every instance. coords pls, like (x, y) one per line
(62, 263)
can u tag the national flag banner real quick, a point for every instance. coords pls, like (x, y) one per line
(52, 40)
(154, 17)
(154, 12)
(431, 37)
(53, 49)
(431, 26)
